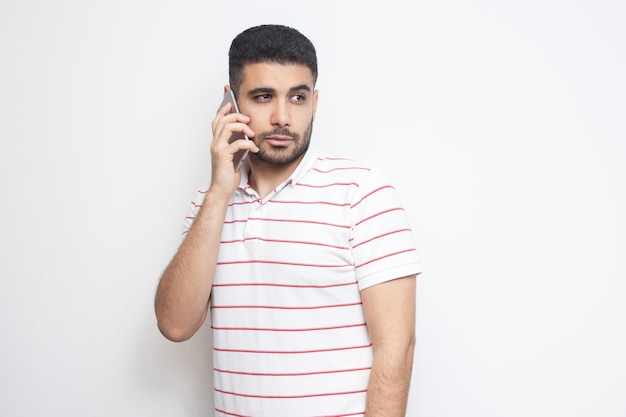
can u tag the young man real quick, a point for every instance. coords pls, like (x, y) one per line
(307, 263)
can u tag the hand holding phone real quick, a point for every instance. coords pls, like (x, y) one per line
(241, 155)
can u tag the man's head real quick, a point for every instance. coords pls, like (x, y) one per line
(272, 44)
(273, 71)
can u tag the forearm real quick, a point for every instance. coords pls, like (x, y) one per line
(389, 310)
(183, 293)
(388, 387)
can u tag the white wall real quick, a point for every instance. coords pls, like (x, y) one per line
(502, 123)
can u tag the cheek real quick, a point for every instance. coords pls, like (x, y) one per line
(304, 119)
(258, 121)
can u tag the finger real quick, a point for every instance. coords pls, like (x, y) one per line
(236, 127)
(221, 121)
(243, 144)
(227, 108)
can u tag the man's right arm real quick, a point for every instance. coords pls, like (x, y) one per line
(182, 297)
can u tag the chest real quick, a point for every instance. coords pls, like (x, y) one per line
(295, 234)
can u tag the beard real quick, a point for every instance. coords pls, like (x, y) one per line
(276, 155)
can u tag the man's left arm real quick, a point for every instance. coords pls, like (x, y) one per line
(389, 310)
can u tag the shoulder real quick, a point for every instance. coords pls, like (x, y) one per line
(348, 168)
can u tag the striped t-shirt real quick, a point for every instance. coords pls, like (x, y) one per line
(289, 335)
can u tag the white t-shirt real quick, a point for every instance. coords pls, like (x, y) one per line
(289, 335)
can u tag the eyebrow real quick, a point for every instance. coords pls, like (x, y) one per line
(269, 90)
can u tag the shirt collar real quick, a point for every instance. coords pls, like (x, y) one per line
(305, 165)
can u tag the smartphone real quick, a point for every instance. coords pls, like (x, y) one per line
(241, 155)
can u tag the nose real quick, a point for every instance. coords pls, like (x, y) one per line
(280, 114)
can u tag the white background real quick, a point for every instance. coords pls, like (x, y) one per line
(501, 123)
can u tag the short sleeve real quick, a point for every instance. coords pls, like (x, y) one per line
(383, 243)
(194, 208)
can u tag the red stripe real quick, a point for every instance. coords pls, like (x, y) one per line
(379, 214)
(267, 329)
(290, 308)
(362, 413)
(288, 352)
(383, 257)
(333, 158)
(284, 221)
(252, 284)
(380, 236)
(234, 221)
(299, 242)
(337, 371)
(370, 193)
(333, 184)
(244, 203)
(234, 415)
(340, 169)
(310, 203)
(290, 396)
(259, 261)
(298, 221)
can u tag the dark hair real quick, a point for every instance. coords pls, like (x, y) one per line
(269, 43)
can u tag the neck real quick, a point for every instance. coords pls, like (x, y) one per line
(264, 177)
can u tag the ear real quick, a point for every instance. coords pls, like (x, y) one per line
(226, 88)
(315, 95)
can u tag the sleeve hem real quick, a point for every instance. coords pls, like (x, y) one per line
(389, 275)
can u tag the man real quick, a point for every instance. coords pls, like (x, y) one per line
(307, 263)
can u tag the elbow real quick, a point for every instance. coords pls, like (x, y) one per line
(411, 345)
(176, 329)
(176, 324)
(174, 334)
(410, 350)
(397, 354)
(407, 353)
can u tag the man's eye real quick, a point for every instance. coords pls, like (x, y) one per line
(263, 97)
(298, 97)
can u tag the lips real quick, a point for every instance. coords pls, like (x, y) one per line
(280, 141)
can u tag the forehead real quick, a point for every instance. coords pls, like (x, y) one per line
(276, 76)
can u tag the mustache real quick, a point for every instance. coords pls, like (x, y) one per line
(280, 131)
